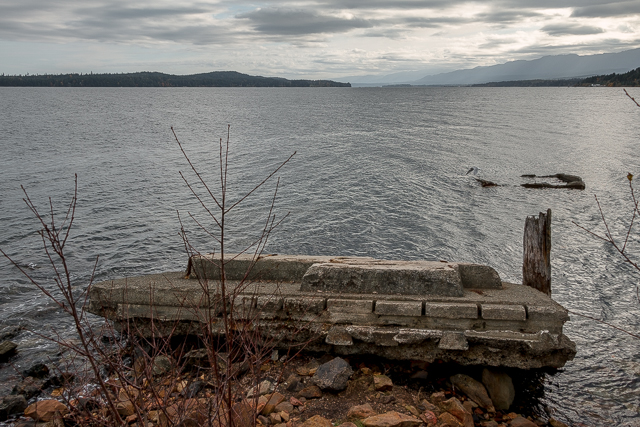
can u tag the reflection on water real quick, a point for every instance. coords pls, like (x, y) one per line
(379, 172)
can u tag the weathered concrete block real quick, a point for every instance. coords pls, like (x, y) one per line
(549, 312)
(338, 335)
(416, 336)
(399, 308)
(311, 305)
(384, 277)
(269, 303)
(451, 310)
(453, 341)
(478, 276)
(385, 338)
(362, 333)
(364, 306)
(503, 312)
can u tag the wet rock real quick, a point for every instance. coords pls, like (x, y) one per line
(522, 422)
(29, 387)
(391, 419)
(12, 405)
(10, 332)
(474, 390)
(500, 388)
(382, 382)
(45, 410)
(39, 370)
(311, 392)
(486, 183)
(361, 411)
(317, 421)
(333, 375)
(7, 349)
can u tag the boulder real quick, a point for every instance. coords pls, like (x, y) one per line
(333, 375)
(12, 405)
(500, 388)
(39, 370)
(391, 419)
(474, 390)
(274, 400)
(45, 410)
(7, 349)
(29, 387)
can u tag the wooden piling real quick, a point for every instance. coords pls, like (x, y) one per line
(536, 266)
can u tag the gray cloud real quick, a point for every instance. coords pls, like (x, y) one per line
(606, 10)
(298, 22)
(570, 29)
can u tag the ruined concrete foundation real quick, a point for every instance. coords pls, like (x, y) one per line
(419, 310)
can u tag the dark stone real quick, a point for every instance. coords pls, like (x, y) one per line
(29, 387)
(386, 399)
(7, 349)
(39, 370)
(64, 378)
(333, 375)
(12, 405)
(10, 332)
(193, 389)
(572, 182)
(88, 404)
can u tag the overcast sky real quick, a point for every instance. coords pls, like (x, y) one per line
(303, 38)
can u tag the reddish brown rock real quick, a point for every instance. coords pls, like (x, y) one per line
(455, 408)
(361, 411)
(311, 392)
(125, 408)
(449, 420)
(391, 419)
(382, 382)
(295, 402)
(317, 421)
(274, 400)
(429, 418)
(474, 390)
(45, 410)
(348, 424)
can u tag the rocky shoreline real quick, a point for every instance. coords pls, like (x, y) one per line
(309, 390)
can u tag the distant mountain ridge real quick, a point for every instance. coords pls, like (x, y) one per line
(154, 79)
(569, 66)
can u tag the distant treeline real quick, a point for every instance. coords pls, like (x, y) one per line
(151, 79)
(632, 78)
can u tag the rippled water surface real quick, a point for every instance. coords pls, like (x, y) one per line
(378, 172)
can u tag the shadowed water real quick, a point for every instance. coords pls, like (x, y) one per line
(378, 172)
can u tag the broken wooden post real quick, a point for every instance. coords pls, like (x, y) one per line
(536, 266)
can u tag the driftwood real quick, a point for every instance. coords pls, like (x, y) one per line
(486, 183)
(572, 181)
(536, 265)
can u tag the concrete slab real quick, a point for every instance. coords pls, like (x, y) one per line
(505, 325)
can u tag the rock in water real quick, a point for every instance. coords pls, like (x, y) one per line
(45, 410)
(333, 375)
(12, 405)
(474, 390)
(7, 349)
(500, 388)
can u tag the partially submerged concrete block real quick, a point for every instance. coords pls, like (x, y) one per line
(419, 310)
